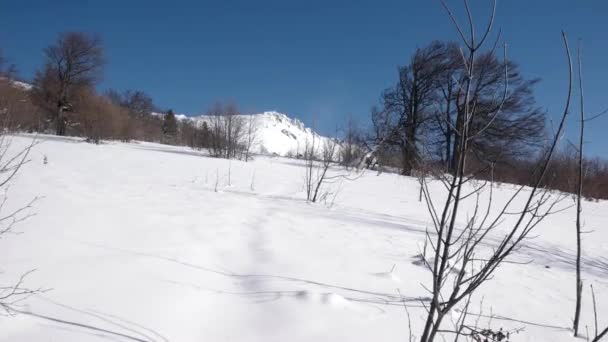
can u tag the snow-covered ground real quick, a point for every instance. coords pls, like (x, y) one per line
(134, 244)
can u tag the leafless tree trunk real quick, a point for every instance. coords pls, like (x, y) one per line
(74, 61)
(601, 335)
(251, 136)
(597, 335)
(310, 156)
(579, 191)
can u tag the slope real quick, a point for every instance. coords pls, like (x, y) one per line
(136, 245)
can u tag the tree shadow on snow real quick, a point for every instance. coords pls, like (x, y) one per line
(168, 149)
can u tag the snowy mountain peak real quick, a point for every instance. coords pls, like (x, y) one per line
(283, 135)
(281, 118)
(277, 133)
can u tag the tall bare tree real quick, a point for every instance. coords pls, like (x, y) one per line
(352, 147)
(406, 106)
(516, 131)
(579, 194)
(251, 135)
(74, 61)
(425, 109)
(227, 130)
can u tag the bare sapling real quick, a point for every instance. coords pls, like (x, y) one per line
(11, 162)
(251, 136)
(318, 162)
(597, 334)
(252, 185)
(579, 191)
(217, 180)
(466, 255)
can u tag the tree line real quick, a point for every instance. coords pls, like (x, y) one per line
(63, 100)
(418, 122)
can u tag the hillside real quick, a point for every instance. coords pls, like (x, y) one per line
(276, 133)
(135, 244)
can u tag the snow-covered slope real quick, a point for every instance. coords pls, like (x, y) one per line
(135, 244)
(279, 134)
(276, 133)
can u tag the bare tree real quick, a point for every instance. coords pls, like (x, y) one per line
(406, 106)
(319, 158)
(519, 127)
(352, 147)
(136, 101)
(425, 109)
(17, 112)
(74, 61)
(597, 334)
(517, 131)
(11, 162)
(579, 191)
(227, 129)
(140, 106)
(194, 133)
(460, 264)
(251, 135)
(99, 118)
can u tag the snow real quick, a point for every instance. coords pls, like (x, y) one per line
(133, 244)
(277, 133)
(22, 85)
(282, 135)
(19, 84)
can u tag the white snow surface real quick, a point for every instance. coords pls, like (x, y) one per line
(22, 85)
(276, 133)
(133, 243)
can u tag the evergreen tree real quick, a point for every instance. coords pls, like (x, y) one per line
(205, 137)
(169, 128)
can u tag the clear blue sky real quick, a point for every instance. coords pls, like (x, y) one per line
(315, 60)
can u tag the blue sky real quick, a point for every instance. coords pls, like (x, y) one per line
(317, 60)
